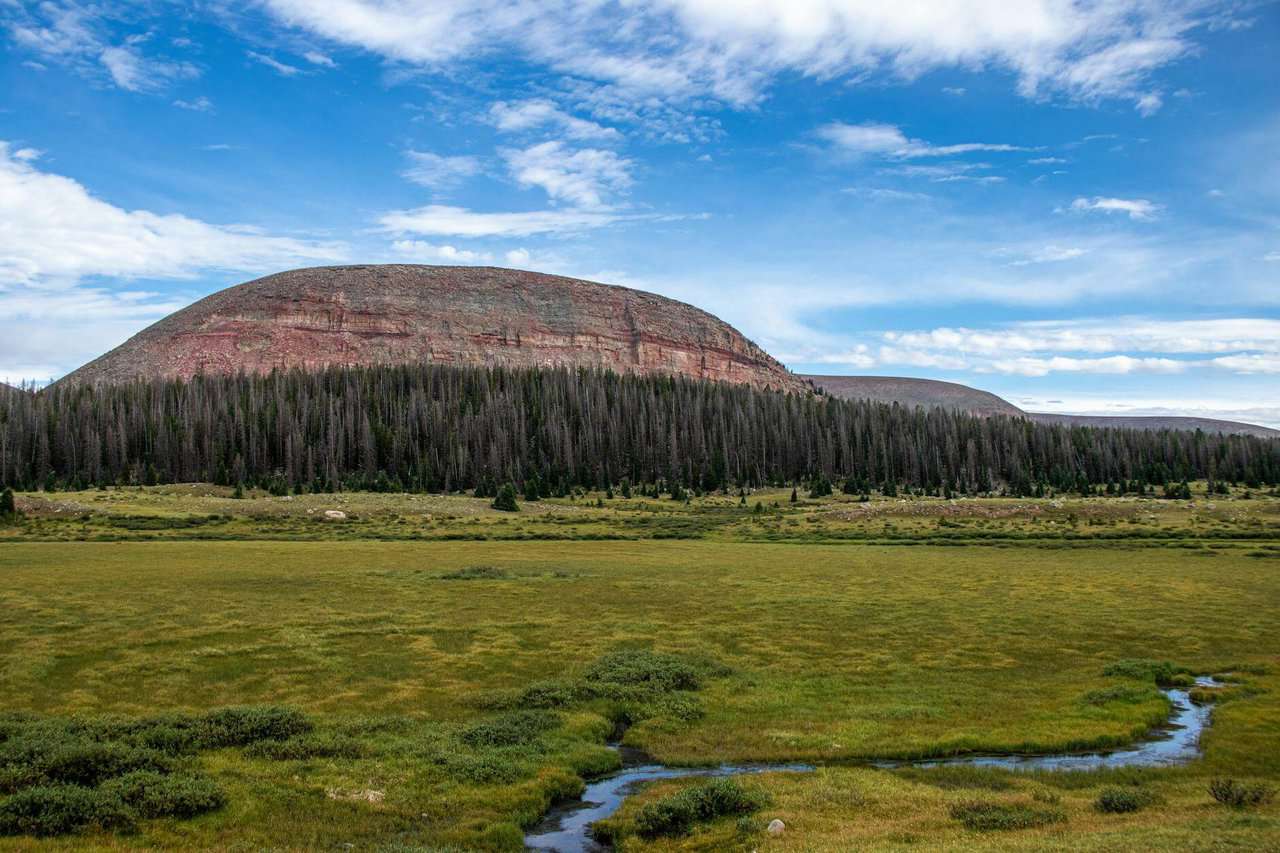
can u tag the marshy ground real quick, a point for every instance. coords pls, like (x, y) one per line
(456, 670)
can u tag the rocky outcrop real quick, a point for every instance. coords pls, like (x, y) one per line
(395, 314)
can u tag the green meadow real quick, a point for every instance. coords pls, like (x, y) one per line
(428, 674)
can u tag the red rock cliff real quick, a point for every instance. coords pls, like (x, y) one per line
(393, 314)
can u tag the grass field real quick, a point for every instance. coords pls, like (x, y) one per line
(414, 659)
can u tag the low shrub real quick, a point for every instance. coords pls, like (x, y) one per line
(60, 809)
(484, 768)
(656, 670)
(246, 725)
(677, 814)
(308, 746)
(49, 756)
(151, 794)
(510, 729)
(1123, 800)
(1162, 672)
(986, 815)
(550, 694)
(477, 573)
(1238, 795)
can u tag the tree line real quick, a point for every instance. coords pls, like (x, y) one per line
(433, 428)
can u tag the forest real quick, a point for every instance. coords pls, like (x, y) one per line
(439, 428)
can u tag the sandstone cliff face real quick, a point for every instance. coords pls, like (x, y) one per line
(395, 314)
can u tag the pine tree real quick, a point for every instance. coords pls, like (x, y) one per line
(794, 496)
(8, 506)
(506, 499)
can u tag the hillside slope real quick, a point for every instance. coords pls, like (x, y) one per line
(950, 395)
(915, 392)
(394, 314)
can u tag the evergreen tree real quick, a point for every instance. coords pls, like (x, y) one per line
(506, 499)
(8, 506)
(794, 497)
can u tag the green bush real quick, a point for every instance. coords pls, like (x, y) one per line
(646, 668)
(676, 814)
(506, 499)
(1123, 800)
(1127, 695)
(1238, 795)
(986, 815)
(45, 756)
(1162, 672)
(476, 573)
(490, 767)
(510, 729)
(308, 746)
(60, 809)
(246, 725)
(549, 694)
(151, 794)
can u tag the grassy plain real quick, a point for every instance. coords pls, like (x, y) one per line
(838, 631)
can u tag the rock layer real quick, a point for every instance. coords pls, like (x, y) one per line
(396, 314)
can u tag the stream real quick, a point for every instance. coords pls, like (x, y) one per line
(567, 827)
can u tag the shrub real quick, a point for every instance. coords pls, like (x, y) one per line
(1123, 800)
(51, 756)
(646, 668)
(506, 499)
(486, 768)
(549, 694)
(1238, 795)
(151, 794)
(246, 725)
(676, 814)
(477, 573)
(304, 747)
(1161, 672)
(510, 729)
(986, 815)
(60, 809)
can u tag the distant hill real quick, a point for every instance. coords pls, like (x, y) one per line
(1156, 422)
(915, 392)
(950, 395)
(404, 314)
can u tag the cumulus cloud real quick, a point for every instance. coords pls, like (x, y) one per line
(537, 113)
(1135, 208)
(585, 177)
(199, 105)
(732, 49)
(58, 232)
(418, 250)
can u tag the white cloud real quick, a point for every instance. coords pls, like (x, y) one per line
(1045, 161)
(315, 57)
(1114, 364)
(282, 68)
(130, 70)
(1136, 208)
(439, 172)
(57, 232)
(1249, 363)
(887, 140)
(1044, 255)
(1271, 257)
(957, 91)
(732, 49)
(534, 113)
(445, 220)
(199, 105)
(418, 250)
(584, 177)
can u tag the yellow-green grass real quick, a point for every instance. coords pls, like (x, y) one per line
(836, 652)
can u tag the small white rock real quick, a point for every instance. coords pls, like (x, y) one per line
(335, 514)
(776, 827)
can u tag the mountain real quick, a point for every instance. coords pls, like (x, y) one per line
(395, 314)
(1156, 422)
(915, 392)
(950, 395)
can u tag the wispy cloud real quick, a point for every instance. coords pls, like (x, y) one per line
(282, 68)
(440, 172)
(887, 140)
(1135, 208)
(583, 177)
(538, 113)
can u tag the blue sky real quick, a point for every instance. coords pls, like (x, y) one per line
(1074, 205)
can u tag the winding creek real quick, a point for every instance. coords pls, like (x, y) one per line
(567, 827)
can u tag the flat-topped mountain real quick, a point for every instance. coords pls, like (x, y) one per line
(1155, 422)
(397, 313)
